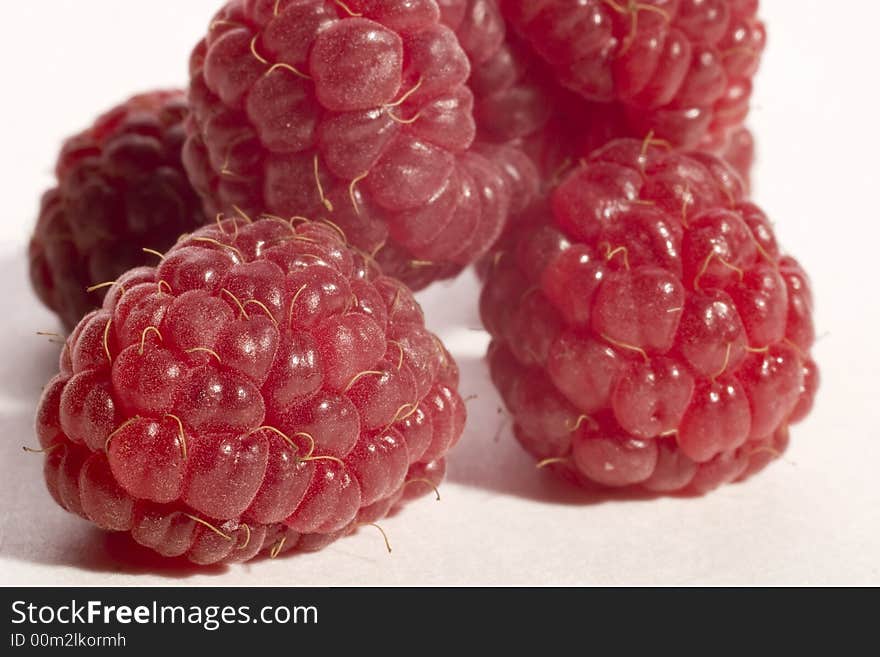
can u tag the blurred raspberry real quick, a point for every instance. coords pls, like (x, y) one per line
(121, 187)
(738, 150)
(680, 68)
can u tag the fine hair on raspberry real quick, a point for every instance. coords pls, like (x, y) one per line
(647, 330)
(263, 389)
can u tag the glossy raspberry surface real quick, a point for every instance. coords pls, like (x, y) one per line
(646, 329)
(263, 389)
(359, 112)
(120, 187)
(680, 68)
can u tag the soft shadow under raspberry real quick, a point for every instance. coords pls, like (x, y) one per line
(116, 552)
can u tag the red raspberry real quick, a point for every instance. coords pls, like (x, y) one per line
(263, 389)
(648, 332)
(680, 68)
(121, 187)
(358, 111)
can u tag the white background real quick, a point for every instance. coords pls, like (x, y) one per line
(813, 518)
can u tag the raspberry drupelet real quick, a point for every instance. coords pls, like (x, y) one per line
(680, 68)
(511, 98)
(120, 187)
(647, 331)
(263, 389)
(356, 110)
(739, 152)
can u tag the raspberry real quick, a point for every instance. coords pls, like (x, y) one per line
(646, 330)
(121, 187)
(680, 68)
(264, 389)
(358, 111)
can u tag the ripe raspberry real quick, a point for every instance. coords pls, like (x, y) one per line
(121, 187)
(355, 110)
(648, 332)
(680, 68)
(263, 389)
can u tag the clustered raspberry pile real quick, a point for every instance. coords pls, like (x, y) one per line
(270, 385)
(648, 331)
(121, 187)
(264, 389)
